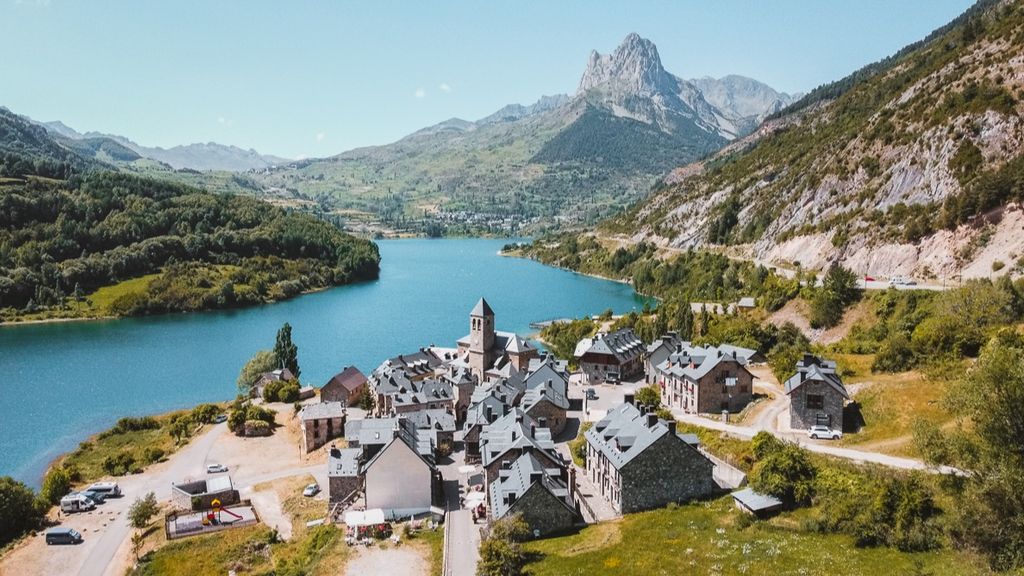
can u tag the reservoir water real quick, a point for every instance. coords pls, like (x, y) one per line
(62, 382)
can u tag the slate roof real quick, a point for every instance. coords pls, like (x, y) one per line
(482, 308)
(694, 362)
(624, 433)
(424, 391)
(370, 431)
(322, 410)
(418, 363)
(519, 477)
(515, 430)
(755, 501)
(623, 344)
(418, 447)
(277, 375)
(434, 419)
(553, 391)
(350, 379)
(814, 369)
(343, 462)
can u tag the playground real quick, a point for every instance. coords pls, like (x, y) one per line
(182, 524)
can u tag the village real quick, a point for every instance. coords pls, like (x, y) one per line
(455, 439)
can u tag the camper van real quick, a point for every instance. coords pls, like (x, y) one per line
(109, 489)
(76, 502)
(63, 536)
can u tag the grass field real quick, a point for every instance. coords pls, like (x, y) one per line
(104, 297)
(890, 404)
(706, 538)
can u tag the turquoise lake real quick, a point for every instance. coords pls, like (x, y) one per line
(62, 382)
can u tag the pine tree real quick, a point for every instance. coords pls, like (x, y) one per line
(285, 352)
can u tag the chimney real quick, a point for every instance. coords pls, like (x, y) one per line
(810, 360)
(535, 477)
(335, 453)
(630, 398)
(489, 413)
(671, 426)
(652, 419)
(533, 430)
(679, 347)
(519, 418)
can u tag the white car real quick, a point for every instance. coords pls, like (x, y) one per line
(215, 468)
(825, 432)
(311, 490)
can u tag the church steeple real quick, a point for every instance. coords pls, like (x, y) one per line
(481, 338)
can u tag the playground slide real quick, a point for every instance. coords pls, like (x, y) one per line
(226, 511)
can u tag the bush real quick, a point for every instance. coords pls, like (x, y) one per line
(243, 412)
(204, 413)
(256, 428)
(120, 464)
(501, 553)
(143, 510)
(56, 485)
(901, 516)
(18, 510)
(578, 445)
(130, 424)
(151, 454)
(787, 474)
(764, 444)
(894, 355)
(649, 396)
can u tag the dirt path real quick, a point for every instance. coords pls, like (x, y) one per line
(377, 559)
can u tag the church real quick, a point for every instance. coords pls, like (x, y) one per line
(490, 353)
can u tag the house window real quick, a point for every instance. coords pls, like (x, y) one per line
(815, 402)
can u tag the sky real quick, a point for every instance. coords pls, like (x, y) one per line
(309, 79)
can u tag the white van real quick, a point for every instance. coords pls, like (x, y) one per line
(109, 489)
(76, 502)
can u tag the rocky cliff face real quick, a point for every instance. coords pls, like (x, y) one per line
(907, 172)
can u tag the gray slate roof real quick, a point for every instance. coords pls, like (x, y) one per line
(370, 431)
(515, 430)
(814, 369)
(322, 410)
(624, 433)
(694, 362)
(522, 474)
(482, 308)
(756, 501)
(623, 344)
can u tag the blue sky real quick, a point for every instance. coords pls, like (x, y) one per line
(317, 78)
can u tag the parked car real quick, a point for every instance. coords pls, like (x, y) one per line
(591, 394)
(95, 495)
(76, 502)
(311, 490)
(109, 489)
(215, 468)
(63, 536)
(825, 432)
(612, 377)
(220, 418)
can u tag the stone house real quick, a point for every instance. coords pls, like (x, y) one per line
(611, 357)
(659, 351)
(346, 387)
(547, 404)
(400, 479)
(320, 423)
(706, 379)
(429, 394)
(489, 404)
(508, 437)
(638, 462)
(279, 375)
(816, 394)
(437, 425)
(538, 492)
(343, 477)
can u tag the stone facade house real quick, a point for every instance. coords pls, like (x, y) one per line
(489, 403)
(279, 375)
(638, 462)
(343, 474)
(346, 387)
(438, 426)
(320, 423)
(429, 394)
(659, 351)
(816, 394)
(540, 493)
(611, 357)
(369, 435)
(706, 379)
(508, 437)
(547, 404)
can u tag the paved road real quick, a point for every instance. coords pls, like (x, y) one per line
(462, 535)
(187, 462)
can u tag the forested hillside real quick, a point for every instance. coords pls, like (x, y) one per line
(61, 240)
(910, 166)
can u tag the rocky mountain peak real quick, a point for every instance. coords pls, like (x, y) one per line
(634, 67)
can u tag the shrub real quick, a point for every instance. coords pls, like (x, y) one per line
(501, 553)
(787, 474)
(649, 396)
(204, 413)
(120, 464)
(894, 355)
(143, 510)
(152, 454)
(256, 428)
(18, 510)
(578, 445)
(765, 444)
(56, 484)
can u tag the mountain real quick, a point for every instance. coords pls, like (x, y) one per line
(910, 166)
(26, 147)
(560, 159)
(208, 156)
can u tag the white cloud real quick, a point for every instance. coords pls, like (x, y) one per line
(420, 93)
(320, 136)
(445, 87)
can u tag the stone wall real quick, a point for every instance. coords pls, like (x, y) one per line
(338, 487)
(670, 470)
(801, 416)
(543, 511)
(714, 396)
(318, 432)
(554, 417)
